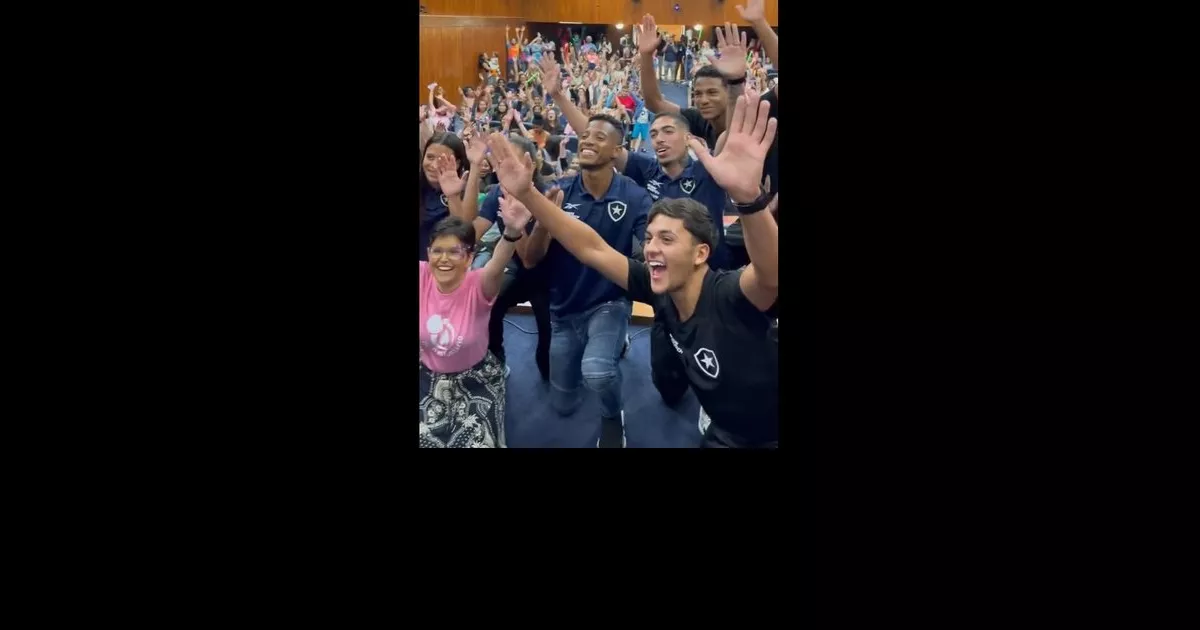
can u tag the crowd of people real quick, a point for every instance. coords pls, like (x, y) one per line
(571, 183)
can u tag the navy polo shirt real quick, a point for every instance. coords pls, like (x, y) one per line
(436, 209)
(694, 183)
(490, 210)
(619, 216)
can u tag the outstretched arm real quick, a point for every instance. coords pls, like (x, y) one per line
(515, 174)
(732, 64)
(738, 170)
(647, 43)
(756, 15)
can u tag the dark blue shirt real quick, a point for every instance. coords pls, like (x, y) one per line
(490, 210)
(436, 209)
(693, 183)
(619, 216)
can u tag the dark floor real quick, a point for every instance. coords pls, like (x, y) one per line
(531, 422)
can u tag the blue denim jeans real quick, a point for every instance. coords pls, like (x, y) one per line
(585, 349)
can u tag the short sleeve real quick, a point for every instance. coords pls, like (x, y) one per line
(730, 299)
(491, 205)
(640, 167)
(474, 282)
(641, 216)
(638, 283)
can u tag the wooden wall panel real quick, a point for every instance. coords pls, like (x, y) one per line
(449, 52)
(707, 12)
(485, 8)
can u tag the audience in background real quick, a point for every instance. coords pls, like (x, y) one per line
(581, 109)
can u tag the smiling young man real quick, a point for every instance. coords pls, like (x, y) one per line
(589, 315)
(716, 319)
(709, 95)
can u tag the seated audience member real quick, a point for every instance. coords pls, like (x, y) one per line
(715, 320)
(461, 383)
(442, 183)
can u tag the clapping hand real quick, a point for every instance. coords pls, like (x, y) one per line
(448, 177)
(738, 169)
(513, 168)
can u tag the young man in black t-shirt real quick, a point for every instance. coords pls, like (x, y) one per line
(716, 319)
(709, 95)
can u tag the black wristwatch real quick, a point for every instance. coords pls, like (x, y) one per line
(736, 81)
(512, 240)
(763, 201)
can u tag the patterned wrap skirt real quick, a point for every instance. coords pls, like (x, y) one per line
(463, 409)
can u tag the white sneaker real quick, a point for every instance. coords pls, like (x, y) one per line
(704, 421)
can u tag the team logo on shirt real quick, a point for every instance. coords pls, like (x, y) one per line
(675, 343)
(707, 360)
(571, 206)
(688, 185)
(616, 210)
(444, 202)
(442, 338)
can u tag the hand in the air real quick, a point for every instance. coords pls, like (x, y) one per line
(647, 34)
(739, 167)
(448, 177)
(476, 147)
(753, 11)
(550, 69)
(513, 168)
(432, 86)
(732, 64)
(514, 213)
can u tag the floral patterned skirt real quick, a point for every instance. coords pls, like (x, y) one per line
(463, 409)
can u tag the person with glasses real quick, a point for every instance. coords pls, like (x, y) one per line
(462, 383)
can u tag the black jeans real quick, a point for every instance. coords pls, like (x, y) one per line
(527, 285)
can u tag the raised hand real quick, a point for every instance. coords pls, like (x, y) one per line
(738, 169)
(514, 213)
(432, 86)
(753, 11)
(476, 147)
(732, 64)
(647, 34)
(513, 168)
(448, 177)
(551, 74)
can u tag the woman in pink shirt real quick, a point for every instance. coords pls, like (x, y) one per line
(462, 384)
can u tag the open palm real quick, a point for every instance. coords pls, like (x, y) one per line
(732, 64)
(513, 168)
(753, 11)
(551, 72)
(476, 148)
(647, 34)
(514, 213)
(738, 169)
(448, 177)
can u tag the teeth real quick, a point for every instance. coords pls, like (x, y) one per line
(655, 263)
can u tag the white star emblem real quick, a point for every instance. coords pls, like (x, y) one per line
(707, 360)
(688, 185)
(444, 202)
(616, 210)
